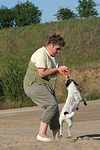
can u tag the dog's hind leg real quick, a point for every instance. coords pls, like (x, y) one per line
(70, 123)
(61, 126)
(69, 115)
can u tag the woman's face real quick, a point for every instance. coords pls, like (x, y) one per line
(54, 49)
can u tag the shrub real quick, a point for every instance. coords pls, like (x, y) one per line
(12, 83)
(93, 96)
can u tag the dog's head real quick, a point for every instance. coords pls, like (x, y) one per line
(69, 81)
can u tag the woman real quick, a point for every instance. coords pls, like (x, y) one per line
(39, 84)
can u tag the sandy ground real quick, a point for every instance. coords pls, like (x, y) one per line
(19, 127)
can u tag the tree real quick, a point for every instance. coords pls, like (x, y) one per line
(6, 17)
(86, 8)
(26, 14)
(65, 14)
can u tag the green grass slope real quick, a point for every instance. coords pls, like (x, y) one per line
(82, 38)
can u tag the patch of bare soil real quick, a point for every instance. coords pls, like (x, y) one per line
(88, 80)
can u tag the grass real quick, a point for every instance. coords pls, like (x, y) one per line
(93, 96)
(82, 49)
(81, 36)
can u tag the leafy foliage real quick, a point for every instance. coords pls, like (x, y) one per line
(26, 14)
(6, 17)
(20, 15)
(86, 8)
(64, 14)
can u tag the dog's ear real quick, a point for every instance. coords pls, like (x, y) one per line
(75, 83)
(68, 83)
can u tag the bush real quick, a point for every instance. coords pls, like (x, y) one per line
(12, 83)
(93, 96)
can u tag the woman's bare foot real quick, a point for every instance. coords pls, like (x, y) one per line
(56, 135)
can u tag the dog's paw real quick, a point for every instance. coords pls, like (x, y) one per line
(85, 103)
(69, 137)
(60, 136)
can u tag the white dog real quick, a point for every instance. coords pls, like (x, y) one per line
(72, 102)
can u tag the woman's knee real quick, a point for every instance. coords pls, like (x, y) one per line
(49, 113)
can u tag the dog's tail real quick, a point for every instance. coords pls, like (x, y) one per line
(69, 115)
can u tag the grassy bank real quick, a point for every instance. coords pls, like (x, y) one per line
(82, 50)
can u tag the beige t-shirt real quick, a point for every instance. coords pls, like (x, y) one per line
(41, 59)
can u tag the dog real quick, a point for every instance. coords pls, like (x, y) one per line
(72, 102)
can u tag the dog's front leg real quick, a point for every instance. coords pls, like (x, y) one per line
(84, 100)
(70, 123)
(77, 108)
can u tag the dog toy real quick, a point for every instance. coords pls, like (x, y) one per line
(65, 74)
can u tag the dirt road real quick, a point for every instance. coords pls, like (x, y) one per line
(19, 127)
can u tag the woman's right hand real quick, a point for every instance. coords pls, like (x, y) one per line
(62, 68)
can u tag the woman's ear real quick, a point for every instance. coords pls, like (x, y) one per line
(51, 45)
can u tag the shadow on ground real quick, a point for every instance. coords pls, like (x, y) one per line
(88, 136)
